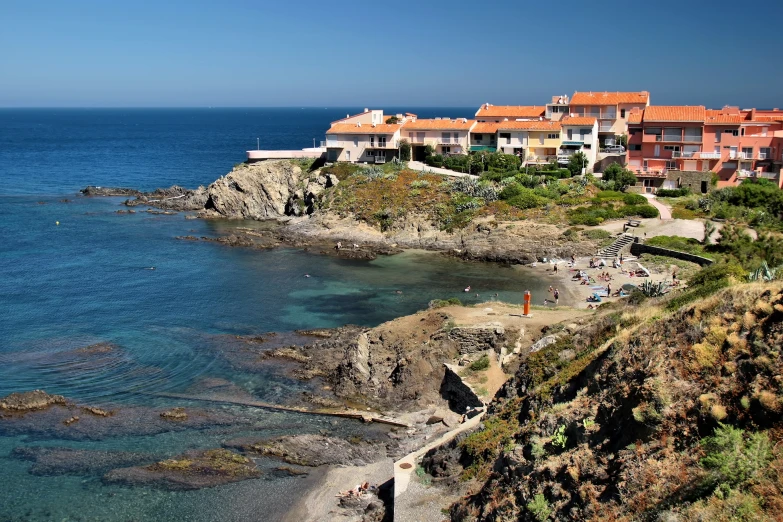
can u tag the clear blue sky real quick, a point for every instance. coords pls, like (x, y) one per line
(424, 53)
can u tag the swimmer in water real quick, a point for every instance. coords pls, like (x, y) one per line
(307, 275)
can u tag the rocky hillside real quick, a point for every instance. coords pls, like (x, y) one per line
(646, 415)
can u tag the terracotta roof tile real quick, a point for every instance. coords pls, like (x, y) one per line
(528, 125)
(511, 111)
(577, 120)
(635, 116)
(485, 128)
(428, 124)
(609, 98)
(674, 113)
(713, 116)
(366, 128)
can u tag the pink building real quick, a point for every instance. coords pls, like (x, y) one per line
(611, 109)
(732, 143)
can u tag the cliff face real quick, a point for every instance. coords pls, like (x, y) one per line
(265, 190)
(646, 415)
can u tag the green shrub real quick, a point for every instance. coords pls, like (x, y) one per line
(610, 195)
(405, 150)
(540, 508)
(440, 303)
(673, 193)
(733, 458)
(634, 199)
(647, 211)
(596, 233)
(716, 272)
(480, 364)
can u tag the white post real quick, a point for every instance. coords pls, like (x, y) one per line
(258, 143)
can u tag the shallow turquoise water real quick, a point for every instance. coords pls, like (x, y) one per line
(86, 281)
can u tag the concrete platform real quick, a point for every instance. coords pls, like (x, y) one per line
(260, 155)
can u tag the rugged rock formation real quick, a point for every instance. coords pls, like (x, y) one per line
(313, 450)
(192, 470)
(265, 190)
(30, 401)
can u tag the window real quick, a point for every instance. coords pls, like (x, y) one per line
(765, 153)
(570, 134)
(478, 137)
(356, 141)
(675, 148)
(671, 165)
(555, 136)
(743, 131)
(653, 130)
(506, 136)
(693, 134)
(372, 141)
(381, 141)
(747, 152)
(446, 150)
(583, 133)
(735, 132)
(634, 146)
(622, 113)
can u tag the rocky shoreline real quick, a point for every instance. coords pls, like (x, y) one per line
(286, 197)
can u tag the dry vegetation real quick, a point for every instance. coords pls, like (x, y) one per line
(647, 414)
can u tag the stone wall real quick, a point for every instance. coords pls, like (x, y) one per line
(691, 179)
(478, 338)
(641, 248)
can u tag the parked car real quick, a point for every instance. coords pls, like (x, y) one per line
(614, 148)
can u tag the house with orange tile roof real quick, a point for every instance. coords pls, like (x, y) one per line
(611, 109)
(363, 137)
(663, 137)
(483, 137)
(579, 134)
(445, 135)
(498, 113)
(534, 141)
(557, 108)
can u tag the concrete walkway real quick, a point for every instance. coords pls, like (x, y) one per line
(665, 211)
(422, 167)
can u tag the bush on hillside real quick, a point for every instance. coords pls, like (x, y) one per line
(673, 193)
(634, 199)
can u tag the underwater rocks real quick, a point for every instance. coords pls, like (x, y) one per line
(313, 450)
(30, 401)
(71, 461)
(42, 416)
(191, 470)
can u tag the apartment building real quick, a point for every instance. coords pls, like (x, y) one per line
(498, 113)
(483, 137)
(557, 108)
(578, 134)
(611, 109)
(732, 143)
(363, 137)
(445, 135)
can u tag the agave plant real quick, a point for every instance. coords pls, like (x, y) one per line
(765, 273)
(651, 289)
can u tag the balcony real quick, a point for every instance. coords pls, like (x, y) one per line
(608, 116)
(764, 155)
(708, 155)
(381, 145)
(540, 159)
(440, 141)
(604, 127)
(692, 139)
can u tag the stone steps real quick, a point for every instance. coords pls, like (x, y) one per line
(615, 248)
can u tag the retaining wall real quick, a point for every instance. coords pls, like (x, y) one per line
(641, 248)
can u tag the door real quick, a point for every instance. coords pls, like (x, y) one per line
(733, 152)
(657, 152)
(347, 155)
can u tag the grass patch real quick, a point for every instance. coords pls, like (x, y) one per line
(479, 364)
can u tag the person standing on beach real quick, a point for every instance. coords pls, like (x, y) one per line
(555, 268)
(557, 296)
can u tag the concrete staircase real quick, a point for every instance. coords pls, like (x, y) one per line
(615, 248)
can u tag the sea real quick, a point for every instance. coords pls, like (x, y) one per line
(74, 273)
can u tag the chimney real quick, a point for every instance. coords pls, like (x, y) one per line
(366, 109)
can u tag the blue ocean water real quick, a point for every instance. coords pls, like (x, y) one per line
(88, 280)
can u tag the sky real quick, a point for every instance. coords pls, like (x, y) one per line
(171, 53)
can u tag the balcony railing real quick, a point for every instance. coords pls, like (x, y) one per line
(604, 127)
(608, 116)
(764, 155)
(439, 141)
(540, 159)
(381, 145)
(709, 155)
